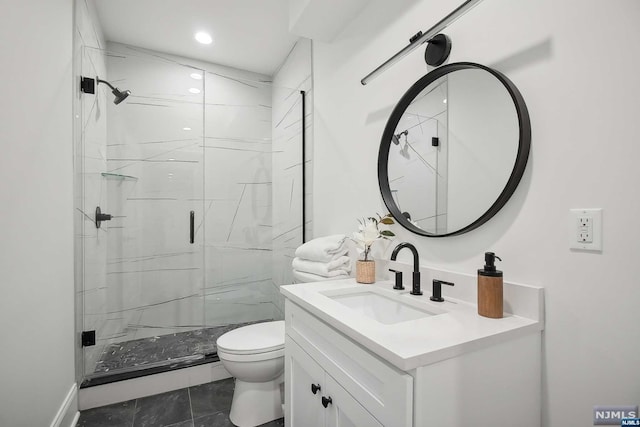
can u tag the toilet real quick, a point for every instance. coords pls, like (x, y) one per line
(254, 355)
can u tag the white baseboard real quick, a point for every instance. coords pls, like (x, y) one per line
(75, 419)
(68, 414)
(121, 391)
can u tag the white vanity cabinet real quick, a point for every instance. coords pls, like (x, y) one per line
(452, 369)
(364, 391)
(316, 399)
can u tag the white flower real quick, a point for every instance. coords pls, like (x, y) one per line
(369, 231)
(368, 234)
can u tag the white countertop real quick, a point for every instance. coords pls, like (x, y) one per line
(413, 343)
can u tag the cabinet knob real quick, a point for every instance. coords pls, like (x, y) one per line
(326, 401)
(315, 388)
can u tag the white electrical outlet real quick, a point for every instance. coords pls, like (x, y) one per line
(585, 229)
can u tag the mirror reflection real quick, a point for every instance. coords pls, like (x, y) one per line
(453, 151)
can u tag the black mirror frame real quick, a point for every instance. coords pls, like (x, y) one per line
(524, 145)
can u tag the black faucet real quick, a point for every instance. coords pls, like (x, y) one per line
(415, 290)
(436, 293)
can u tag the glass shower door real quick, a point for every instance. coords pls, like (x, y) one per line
(239, 287)
(153, 297)
(143, 165)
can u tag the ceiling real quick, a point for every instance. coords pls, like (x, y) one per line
(248, 34)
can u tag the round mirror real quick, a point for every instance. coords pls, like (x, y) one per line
(453, 150)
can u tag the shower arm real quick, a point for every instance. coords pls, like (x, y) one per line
(105, 82)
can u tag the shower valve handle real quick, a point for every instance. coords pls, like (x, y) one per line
(101, 217)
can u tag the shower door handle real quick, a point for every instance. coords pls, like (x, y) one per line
(192, 217)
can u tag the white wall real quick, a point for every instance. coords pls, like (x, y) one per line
(36, 199)
(576, 65)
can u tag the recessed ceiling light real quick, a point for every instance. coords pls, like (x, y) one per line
(196, 76)
(186, 128)
(444, 101)
(203, 38)
(194, 90)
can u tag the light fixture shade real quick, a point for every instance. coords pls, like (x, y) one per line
(420, 38)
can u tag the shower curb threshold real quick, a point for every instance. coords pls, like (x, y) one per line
(142, 371)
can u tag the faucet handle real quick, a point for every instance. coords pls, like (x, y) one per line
(436, 293)
(398, 286)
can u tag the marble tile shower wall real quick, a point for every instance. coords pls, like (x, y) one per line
(90, 130)
(155, 167)
(171, 151)
(293, 76)
(238, 205)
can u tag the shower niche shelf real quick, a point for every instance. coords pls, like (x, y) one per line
(118, 177)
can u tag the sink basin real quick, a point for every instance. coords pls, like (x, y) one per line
(387, 309)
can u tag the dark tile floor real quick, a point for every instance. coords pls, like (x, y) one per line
(164, 348)
(206, 405)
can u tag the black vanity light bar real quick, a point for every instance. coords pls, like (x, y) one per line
(425, 37)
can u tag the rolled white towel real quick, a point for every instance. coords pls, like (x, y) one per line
(337, 267)
(302, 277)
(324, 249)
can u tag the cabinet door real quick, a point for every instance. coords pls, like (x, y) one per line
(302, 376)
(344, 410)
(386, 392)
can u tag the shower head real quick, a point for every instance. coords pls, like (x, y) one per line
(120, 95)
(396, 138)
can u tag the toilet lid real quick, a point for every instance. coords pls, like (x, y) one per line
(251, 339)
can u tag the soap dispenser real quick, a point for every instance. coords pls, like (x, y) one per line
(490, 288)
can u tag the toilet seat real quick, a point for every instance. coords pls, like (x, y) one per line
(260, 341)
(256, 357)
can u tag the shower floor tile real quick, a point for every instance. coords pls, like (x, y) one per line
(161, 349)
(206, 405)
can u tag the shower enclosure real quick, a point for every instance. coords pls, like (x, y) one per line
(184, 167)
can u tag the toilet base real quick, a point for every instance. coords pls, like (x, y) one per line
(254, 404)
